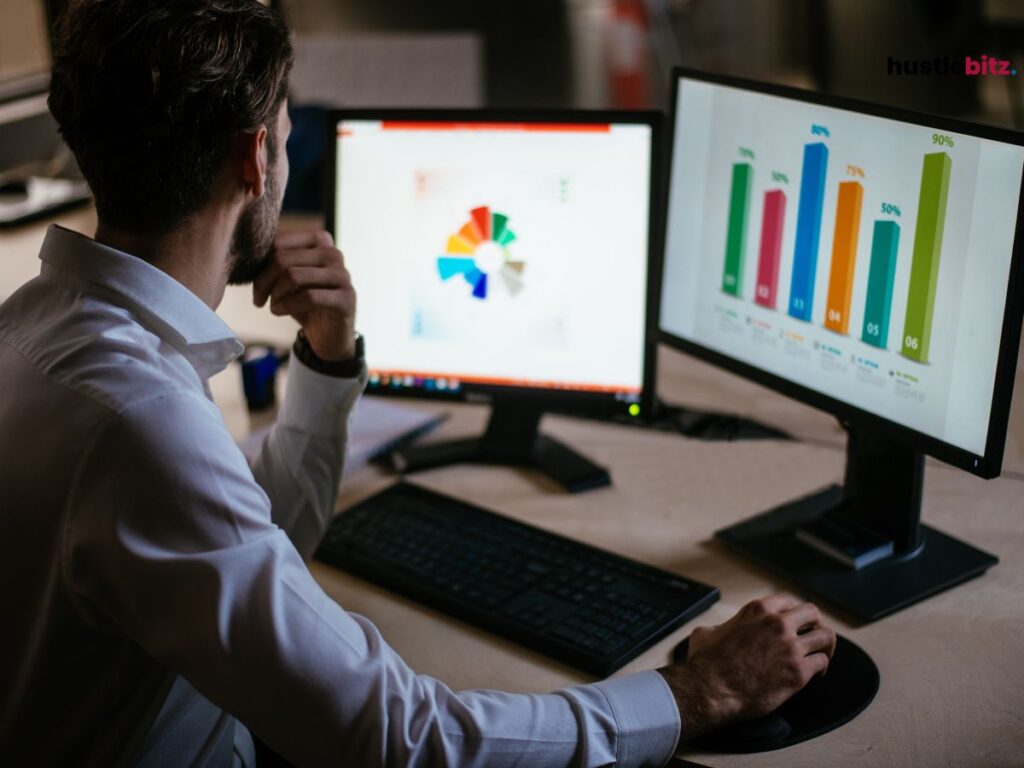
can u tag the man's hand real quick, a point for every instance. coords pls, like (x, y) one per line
(749, 665)
(306, 278)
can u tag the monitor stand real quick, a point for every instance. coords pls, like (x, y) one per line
(512, 437)
(861, 546)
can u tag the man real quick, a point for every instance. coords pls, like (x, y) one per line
(154, 584)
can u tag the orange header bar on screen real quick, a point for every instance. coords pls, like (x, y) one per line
(426, 125)
(505, 382)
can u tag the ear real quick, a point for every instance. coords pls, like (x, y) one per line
(253, 150)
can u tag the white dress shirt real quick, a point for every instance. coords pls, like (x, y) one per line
(151, 581)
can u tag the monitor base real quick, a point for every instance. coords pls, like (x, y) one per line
(869, 593)
(512, 438)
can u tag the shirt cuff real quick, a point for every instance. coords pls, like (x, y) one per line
(316, 403)
(647, 717)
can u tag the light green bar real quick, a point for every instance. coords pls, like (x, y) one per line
(924, 267)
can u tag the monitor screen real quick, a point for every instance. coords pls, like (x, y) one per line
(859, 257)
(497, 253)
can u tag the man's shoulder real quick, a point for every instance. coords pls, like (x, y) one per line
(89, 348)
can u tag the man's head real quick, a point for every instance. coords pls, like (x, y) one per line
(156, 98)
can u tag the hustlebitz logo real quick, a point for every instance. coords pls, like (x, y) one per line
(968, 66)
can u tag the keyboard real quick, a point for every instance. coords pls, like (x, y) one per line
(581, 605)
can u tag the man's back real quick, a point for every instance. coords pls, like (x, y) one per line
(70, 365)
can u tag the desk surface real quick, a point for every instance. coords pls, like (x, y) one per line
(952, 690)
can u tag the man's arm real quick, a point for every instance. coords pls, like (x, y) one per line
(300, 463)
(172, 546)
(301, 460)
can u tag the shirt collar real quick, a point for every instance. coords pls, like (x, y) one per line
(161, 303)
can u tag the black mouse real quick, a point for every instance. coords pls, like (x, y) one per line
(822, 705)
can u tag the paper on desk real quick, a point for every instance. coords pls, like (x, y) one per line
(377, 426)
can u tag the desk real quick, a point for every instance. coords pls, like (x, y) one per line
(952, 689)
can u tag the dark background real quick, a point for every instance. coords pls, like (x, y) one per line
(837, 46)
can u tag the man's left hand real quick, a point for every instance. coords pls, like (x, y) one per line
(306, 278)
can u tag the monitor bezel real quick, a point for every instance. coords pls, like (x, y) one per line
(987, 465)
(603, 404)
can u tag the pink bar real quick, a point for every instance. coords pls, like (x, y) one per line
(771, 246)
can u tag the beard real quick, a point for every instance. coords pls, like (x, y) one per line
(252, 242)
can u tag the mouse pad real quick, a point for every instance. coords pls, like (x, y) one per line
(824, 704)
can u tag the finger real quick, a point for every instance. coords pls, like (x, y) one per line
(813, 666)
(820, 640)
(281, 260)
(309, 238)
(776, 603)
(803, 616)
(310, 299)
(300, 278)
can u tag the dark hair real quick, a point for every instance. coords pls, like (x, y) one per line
(149, 94)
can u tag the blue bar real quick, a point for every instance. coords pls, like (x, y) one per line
(808, 231)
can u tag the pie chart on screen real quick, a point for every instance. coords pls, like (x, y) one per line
(480, 252)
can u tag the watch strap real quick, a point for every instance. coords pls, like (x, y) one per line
(342, 369)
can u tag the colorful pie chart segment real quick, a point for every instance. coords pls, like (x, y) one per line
(449, 266)
(482, 219)
(479, 251)
(470, 233)
(456, 244)
(498, 222)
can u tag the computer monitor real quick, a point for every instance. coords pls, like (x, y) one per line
(506, 258)
(867, 261)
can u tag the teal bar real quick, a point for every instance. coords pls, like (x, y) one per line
(881, 275)
(736, 239)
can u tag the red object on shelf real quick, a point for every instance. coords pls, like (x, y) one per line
(629, 55)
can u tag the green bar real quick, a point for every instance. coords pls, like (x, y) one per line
(924, 266)
(736, 239)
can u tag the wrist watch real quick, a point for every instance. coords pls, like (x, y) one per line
(343, 369)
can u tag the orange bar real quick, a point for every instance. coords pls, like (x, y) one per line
(422, 125)
(844, 256)
(503, 382)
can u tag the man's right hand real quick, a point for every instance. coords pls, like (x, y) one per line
(749, 665)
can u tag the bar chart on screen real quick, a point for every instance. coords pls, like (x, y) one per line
(859, 256)
(853, 245)
(833, 247)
